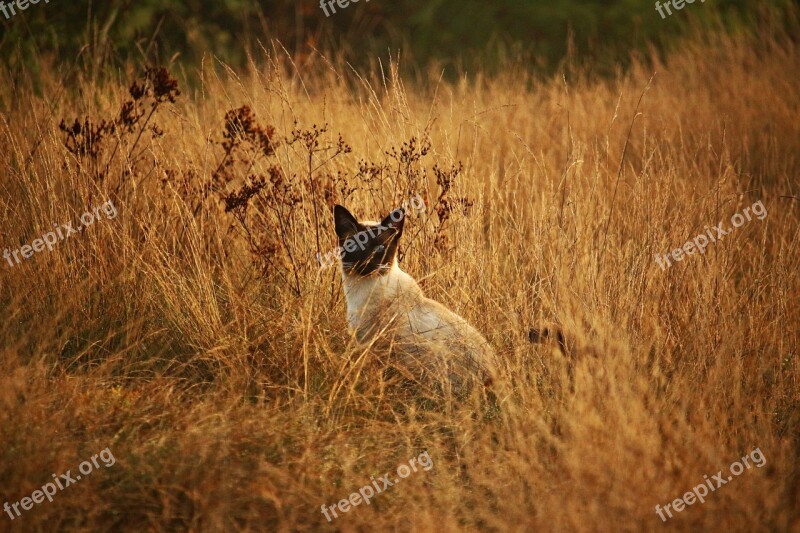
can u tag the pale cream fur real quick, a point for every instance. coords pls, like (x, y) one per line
(390, 311)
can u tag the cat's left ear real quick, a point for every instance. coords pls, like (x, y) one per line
(344, 221)
(395, 220)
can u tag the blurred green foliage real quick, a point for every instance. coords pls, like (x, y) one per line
(464, 33)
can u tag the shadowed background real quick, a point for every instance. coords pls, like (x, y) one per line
(460, 34)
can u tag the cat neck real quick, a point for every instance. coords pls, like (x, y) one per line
(370, 295)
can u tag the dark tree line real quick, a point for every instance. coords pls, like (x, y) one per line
(466, 33)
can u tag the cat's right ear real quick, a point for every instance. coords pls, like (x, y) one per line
(346, 224)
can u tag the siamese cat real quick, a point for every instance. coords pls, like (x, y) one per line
(387, 309)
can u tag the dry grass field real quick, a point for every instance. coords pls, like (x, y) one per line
(195, 336)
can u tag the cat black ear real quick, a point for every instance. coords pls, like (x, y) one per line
(395, 220)
(346, 224)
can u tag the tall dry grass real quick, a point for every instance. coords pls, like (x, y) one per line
(209, 352)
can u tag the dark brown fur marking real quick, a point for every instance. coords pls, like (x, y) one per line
(367, 249)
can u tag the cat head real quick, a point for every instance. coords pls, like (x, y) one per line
(367, 247)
